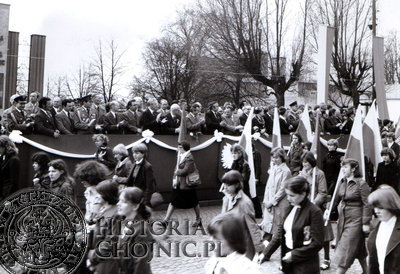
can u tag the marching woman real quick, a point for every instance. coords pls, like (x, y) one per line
(354, 217)
(136, 234)
(295, 153)
(123, 167)
(388, 170)
(274, 198)
(103, 154)
(235, 201)
(316, 177)
(40, 164)
(60, 181)
(9, 167)
(299, 235)
(384, 240)
(183, 195)
(331, 165)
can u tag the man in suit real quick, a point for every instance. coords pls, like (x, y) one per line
(390, 143)
(57, 105)
(83, 117)
(17, 119)
(243, 118)
(213, 119)
(44, 121)
(32, 108)
(293, 116)
(284, 125)
(170, 124)
(149, 116)
(269, 119)
(113, 123)
(64, 121)
(99, 111)
(131, 118)
(230, 127)
(194, 120)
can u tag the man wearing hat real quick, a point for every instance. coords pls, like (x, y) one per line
(84, 119)
(293, 116)
(17, 119)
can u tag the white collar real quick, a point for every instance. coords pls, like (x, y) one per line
(139, 162)
(183, 155)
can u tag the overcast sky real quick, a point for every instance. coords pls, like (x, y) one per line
(74, 27)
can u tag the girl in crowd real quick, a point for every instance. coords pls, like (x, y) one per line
(123, 167)
(354, 217)
(131, 205)
(295, 152)
(183, 195)
(315, 176)
(40, 164)
(60, 181)
(103, 154)
(9, 167)
(383, 242)
(331, 165)
(274, 197)
(237, 202)
(307, 147)
(107, 194)
(142, 175)
(229, 229)
(299, 234)
(388, 170)
(240, 164)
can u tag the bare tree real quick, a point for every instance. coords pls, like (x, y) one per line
(108, 68)
(351, 57)
(392, 59)
(83, 82)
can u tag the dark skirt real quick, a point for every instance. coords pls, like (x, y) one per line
(184, 199)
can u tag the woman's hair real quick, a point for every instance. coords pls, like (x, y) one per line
(43, 160)
(389, 152)
(109, 191)
(103, 138)
(385, 197)
(234, 233)
(91, 172)
(120, 149)
(298, 185)
(279, 152)
(353, 164)
(309, 158)
(333, 142)
(307, 145)
(298, 137)
(142, 148)
(135, 196)
(185, 145)
(236, 148)
(233, 177)
(215, 225)
(61, 166)
(10, 148)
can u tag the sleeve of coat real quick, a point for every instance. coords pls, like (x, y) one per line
(150, 184)
(367, 212)
(322, 189)
(187, 169)
(40, 128)
(60, 126)
(124, 174)
(280, 194)
(317, 238)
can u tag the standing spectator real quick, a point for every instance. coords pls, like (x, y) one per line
(98, 111)
(56, 105)
(84, 118)
(332, 124)
(131, 118)
(194, 120)
(32, 107)
(171, 122)
(258, 123)
(300, 234)
(331, 165)
(64, 121)
(9, 110)
(236, 202)
(285, 127)
(383, 242)
(230, 126)
(293, 116)
(149, 117)
(163, 110)
(123, 167)
(295, 152)
(269, 119)
(103, 154)
(60, 181)
(113, 123)
(275, 201)
(17, 120)
(44, 120)
(40, 164)
(213, 119)
(141, 174)
(183, 195)
(388, 170)
(246, 111)
(390, 143)
(354, 218)
(9, 167)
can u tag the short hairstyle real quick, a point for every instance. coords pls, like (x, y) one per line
(185, 145)
(142, 148)
(214, 226)
(385, 122)
(19, 98)
(43, 101)
(298, 185)
(257, 110)
(135, 196)
(43, 159)
(10, 148)
(309, 158)
(120, 149)
(229, 107)
(65, 102)
(279, 152)
(195, 105)
(175, 107)
(385, 197)
(233, 177)
(282, 110)
(333, 142)
(113, 103)
(331, 112)
(91, 172)
(130, 102)
(238, 148)
(109, 191)
(353, 164)
(234, 232)
(210, 105)
(101, 137)
(307, 145)
(60, 165)
(390, 152)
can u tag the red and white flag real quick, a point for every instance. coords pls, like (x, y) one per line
(304, 127)
(372, 137)
(276, 131)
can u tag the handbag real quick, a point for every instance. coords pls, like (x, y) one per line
(193, 179)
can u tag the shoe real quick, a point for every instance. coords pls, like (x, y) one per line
(197, 223)
(326, 265)
(333, 245)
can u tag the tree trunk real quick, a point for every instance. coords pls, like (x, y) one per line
(356, 97)
(280, 98)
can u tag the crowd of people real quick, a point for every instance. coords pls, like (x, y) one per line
(89, 115)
